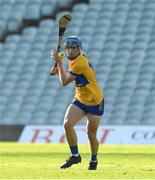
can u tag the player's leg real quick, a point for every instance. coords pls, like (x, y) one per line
(73, 115)
(92, 127)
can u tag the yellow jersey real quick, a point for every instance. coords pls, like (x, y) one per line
(87, 90)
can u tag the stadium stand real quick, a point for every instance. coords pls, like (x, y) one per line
(118, 37)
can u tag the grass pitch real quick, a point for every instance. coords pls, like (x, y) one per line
(41, 161)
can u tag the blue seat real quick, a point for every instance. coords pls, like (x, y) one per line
(20, 2)
(14, 24)
(64, 3)
(13, 38)
(2, 27)
(48, 7)
(1, 46)
(49, 23)
(32, 11)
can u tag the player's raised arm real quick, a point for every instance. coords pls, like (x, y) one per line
(65, 78)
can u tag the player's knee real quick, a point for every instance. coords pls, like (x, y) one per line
(67, 124)
(91, 135)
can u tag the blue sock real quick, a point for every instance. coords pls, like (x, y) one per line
(74, 150)
(93, 157)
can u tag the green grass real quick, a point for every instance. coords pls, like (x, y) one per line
(41, 161)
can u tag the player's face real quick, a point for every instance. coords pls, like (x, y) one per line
(72, 51)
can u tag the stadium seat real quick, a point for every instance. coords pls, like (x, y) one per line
(48, 7)
(32, 11)
(64, 3)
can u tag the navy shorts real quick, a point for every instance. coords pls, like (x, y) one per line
(95, 110)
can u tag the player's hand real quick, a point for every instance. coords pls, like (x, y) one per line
(54, 71)
(55, 56)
